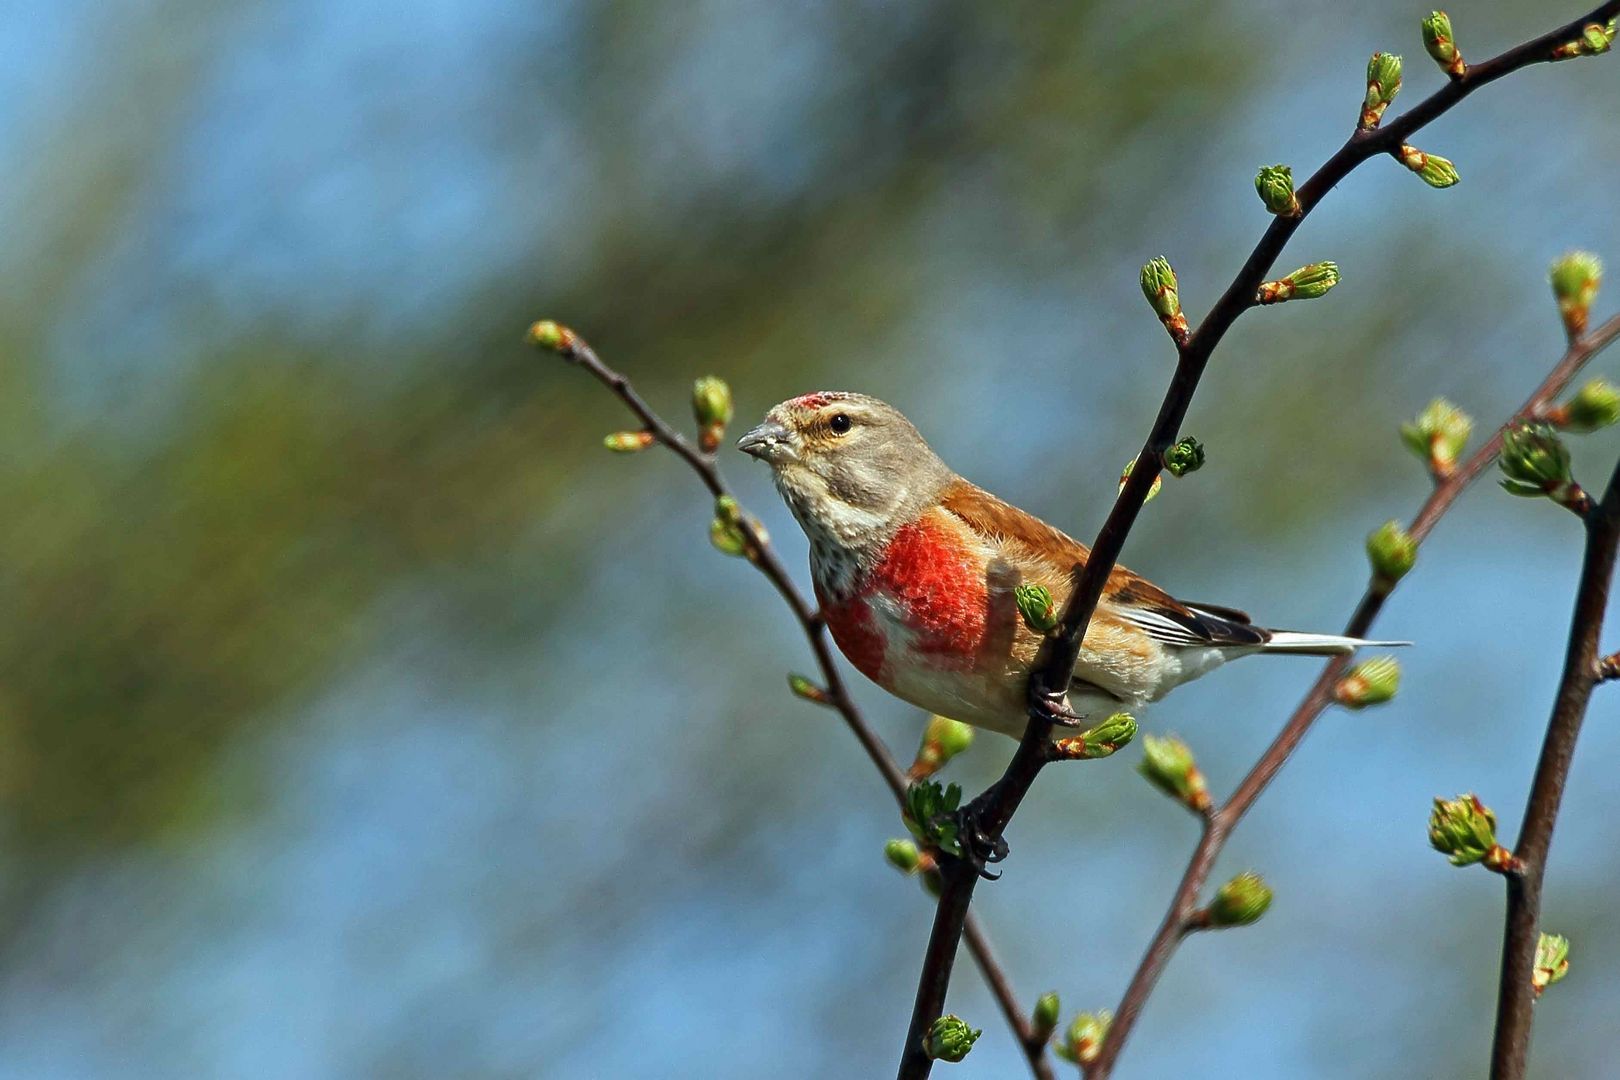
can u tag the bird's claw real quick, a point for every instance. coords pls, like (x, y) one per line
(979, 848)
(1053, 706)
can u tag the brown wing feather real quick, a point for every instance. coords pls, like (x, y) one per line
(1062, 557)
(989, 516)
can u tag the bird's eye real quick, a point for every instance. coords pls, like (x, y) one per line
(840, 424)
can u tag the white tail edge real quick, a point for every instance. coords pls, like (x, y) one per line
(1289, 641)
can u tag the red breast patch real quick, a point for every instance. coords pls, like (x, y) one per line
(939, 584)
(855, 632)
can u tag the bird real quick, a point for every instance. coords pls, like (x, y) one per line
(915, 570)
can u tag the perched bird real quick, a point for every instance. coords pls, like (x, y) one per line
(915, 569)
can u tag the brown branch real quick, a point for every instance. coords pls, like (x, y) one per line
(996, 806)
(1316, 701)
(576, 350)
(1510, 1050)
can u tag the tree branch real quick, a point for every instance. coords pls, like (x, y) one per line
(576, 350)
(1510, 1049)
(997, 805)
(1316, 701)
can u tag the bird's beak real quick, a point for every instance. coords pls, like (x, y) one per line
(771, 441)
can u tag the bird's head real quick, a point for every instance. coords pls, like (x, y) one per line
(850, 467)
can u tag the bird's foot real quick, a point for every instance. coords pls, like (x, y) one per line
(1053, 707)
(979, 846)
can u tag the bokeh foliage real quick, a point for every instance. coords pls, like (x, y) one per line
(267, 424)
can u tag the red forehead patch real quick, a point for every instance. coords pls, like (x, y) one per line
(818, 399)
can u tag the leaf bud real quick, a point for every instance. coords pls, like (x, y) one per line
(1383, 83)
(1440, 44)
(1435, 170)
(1596, 405)
(1163, 294)
(1084, 1040)
(711, 406)
(1391, 550)
(1464, 830)
(949, 1039)
(1575, 278)
(628, 442)
(1552, 962)
(1168, 765)
(1103, 740)
(1307, 283)
(1371, 682)
(1438, 436)
(1535, 462)
(1275, 184)
(1035, 605)
(1187, 456)
(902, 855)
(1043, 1018)
(942, 740)
(1240, 901)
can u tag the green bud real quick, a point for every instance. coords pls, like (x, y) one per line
(1153, 489)
(727, 539)
(1240, 901)
(1103, 740)
(1313, 281)
(949, 1039)
(902, 855)
(1552, 961)
(1383, 83)
(1596, 405)
(711, 401)
(726, 532)
(942, 740)
(1440, 44)
(952, 736)
(1185, 457)
(1275, 183)
(803, 687)
(1575, 279)
(1307, 283)
(1535, 462)
(711, 406)
(1371, 682)
(1044, 1017)
(1168, 765)
(546, 334)
(1594, 39)
(1035, 605)
(1464, 829)
(929, 814)
(1438, 435)
(628, 442)
(1435, 170)
(1391, 550)
(1160, 287)
(1163, 295)
(1084, 1040)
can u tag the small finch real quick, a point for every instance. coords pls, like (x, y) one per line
(916, 570)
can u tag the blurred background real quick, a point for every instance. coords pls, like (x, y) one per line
(360, 716)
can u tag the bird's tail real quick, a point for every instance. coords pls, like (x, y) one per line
(1297, 644)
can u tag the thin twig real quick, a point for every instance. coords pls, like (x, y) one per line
(997, 805)
(763, 556)
(1510, 1050)
(1316, 700)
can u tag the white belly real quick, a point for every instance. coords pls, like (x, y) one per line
(995, 699)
